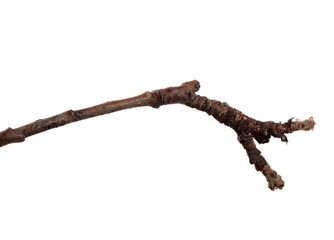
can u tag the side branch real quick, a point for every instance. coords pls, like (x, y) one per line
(246, 128)
(274, 180)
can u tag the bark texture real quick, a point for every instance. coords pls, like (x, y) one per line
(246, 128)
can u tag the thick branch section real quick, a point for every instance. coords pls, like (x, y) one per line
(246, 128)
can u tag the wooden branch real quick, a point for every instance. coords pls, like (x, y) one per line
(246, 128)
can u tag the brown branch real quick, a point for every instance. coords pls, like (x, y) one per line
(246, 128)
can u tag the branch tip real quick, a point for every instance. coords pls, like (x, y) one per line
(274, 180)
(305, 125)
(192, 86)
(11, 136)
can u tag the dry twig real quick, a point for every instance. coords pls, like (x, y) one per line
(246, 128)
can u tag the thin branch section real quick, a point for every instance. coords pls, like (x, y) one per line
(247, 128)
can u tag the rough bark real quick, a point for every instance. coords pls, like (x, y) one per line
(246, 128)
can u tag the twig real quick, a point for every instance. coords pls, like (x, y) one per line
(246, 128)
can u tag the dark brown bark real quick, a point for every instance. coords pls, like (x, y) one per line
(246, 128)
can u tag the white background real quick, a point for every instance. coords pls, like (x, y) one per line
(171, 173)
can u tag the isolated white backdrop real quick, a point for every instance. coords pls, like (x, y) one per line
(171, 173)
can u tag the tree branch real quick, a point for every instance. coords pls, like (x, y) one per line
(246, 128)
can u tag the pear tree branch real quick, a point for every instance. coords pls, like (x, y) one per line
(246, 128)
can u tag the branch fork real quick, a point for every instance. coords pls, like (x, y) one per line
(246, 128)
